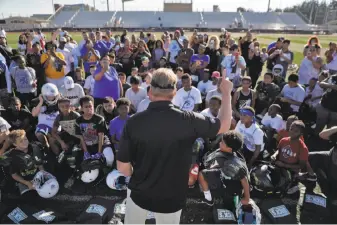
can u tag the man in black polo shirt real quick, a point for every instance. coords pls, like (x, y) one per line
(156, 146)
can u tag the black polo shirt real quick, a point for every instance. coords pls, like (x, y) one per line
(158, 143)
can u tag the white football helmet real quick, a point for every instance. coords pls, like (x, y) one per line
(50, 90)
(117, 181)
(90, 176)
(45, 184)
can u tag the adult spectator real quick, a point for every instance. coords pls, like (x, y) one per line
(5, 49)
(245, 43)
(255, 63)
(125, 56)
(124, 35)
(188, 97)
(184, 56)
(107, 83)
(234, 63)
(286, 57)
(68, 57)
(143, 149)
(141, 51)
(199, 62)
(34, 61)
(274, 53)
(90, 57)
(113, 63)
(312, 41)
(22, 44)
(53, 63)
(213, 50)
(158, 52)
(101, 46)
(174, 49)
(310, 66)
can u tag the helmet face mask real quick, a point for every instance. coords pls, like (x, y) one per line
(45, 184)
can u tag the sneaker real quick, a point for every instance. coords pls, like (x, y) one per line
(207, 202)
(307, 176)
(293, 190)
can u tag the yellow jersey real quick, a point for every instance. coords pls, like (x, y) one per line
(54, 70)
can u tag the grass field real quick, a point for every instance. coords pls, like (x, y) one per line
(297, 41)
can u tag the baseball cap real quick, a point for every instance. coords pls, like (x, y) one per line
(69, 82)
(216, 74)
(63, 39)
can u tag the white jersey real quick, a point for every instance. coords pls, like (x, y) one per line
(47, 118)
(73, 94)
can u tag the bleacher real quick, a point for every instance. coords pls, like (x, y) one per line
(179, 19)
(140, 19)
(220, 19)
(292, 19)
(62, 18)
(263, 20)
(156, 19)
(89, 19)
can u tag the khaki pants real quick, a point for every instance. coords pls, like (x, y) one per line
(137, 215)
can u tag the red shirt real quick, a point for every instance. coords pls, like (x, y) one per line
(291, 152)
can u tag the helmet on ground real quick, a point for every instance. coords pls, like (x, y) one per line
(260, 179)
(45, 184)
(50, 90)
(117, 181)
(90, 176)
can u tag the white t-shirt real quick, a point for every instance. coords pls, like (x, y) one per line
(229, 63)
(252, 136)
(73, 94)
(136, 98)
(318, 91)
(333, 64)
(205, 87)
(276, 123)
(296, 94)
(207, 112)
(143, 104)
(174, 49)
(186, 100)
(212, 93)
(144, 85)
(307, 71)
(68, 57)
(89, 84)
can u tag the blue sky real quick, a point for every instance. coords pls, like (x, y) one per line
(29, 7)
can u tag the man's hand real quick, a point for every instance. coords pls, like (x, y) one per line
(279, 163)
(226, 85)
(282, 99)
(273, 158)
(64, 146)
(30, 185)
(245, 201)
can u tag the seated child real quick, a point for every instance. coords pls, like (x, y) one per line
(231, 176)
